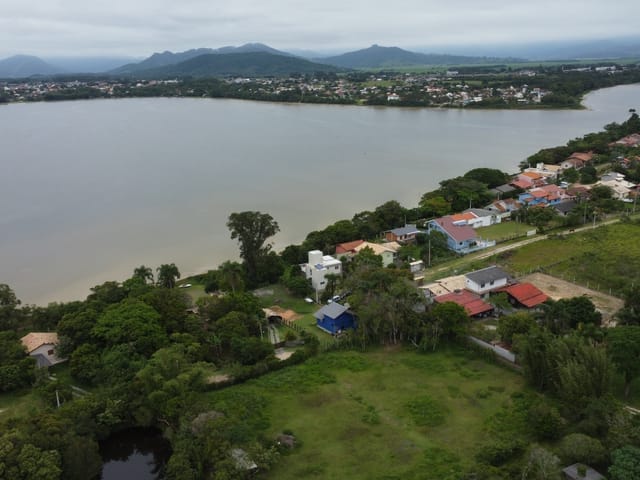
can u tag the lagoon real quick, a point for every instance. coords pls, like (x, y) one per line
(91, 189)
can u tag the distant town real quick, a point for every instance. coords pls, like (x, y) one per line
(467, 87)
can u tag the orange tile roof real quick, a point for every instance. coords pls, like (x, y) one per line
(527, 294)
(348, 246)
(532, 175)
(458, 217)
(472, 303)
(33, 340)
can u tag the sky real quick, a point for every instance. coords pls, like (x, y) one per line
(141, 27)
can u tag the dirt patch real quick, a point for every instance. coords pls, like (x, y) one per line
(283, 354)
(286, 315)
(219, 378)
(557, 289)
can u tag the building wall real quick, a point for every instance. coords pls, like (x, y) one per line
(47, 351)
(476, 288)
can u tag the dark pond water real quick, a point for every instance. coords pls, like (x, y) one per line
(135, 454)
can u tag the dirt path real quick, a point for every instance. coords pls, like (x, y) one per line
(557, 289)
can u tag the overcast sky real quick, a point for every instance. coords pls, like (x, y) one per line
(141, 27)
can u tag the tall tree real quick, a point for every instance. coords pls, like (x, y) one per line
(167, 275)
(231, 276)
(143, 273)
(623, 345)
(252, 229)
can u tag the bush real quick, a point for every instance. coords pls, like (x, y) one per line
(581, 448)
(545, 421)
(500, 451)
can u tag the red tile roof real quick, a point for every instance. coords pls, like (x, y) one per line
(526, 294)
(521, 184)
(472, 303)
(348, 246)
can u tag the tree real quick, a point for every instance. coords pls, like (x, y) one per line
(541, 465)
(626, 464)
(143, 273)
(517, 323)
(630, 313)
(133, 323)
(8, 308)
(445, 320)
(167, 275)
(252, 229)
(231, 276)
(623, 345)
(491, 177)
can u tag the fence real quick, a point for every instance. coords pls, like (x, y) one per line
(501, 352)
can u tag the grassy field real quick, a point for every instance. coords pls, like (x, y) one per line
(605, 258)
(386, 414)
(504, 231)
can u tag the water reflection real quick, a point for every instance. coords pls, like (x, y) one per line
(135, 454)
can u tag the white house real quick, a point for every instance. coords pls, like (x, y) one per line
(319, 266)
(41, 346)
(485, 280)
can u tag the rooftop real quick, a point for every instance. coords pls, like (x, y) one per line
(472, 303)
(332, 310)
(459, 233)
(487, 275)
(33, 340)
(527, 294)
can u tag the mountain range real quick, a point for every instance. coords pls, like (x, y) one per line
(269, 61)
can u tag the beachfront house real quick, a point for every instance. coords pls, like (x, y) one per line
(318, 267)
(461, 238)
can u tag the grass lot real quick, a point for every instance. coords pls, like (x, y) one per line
(504, 231)
(384, 414)
(19, 404)
(607, 257)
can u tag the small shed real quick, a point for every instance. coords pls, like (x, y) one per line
(587, 473)
(334, 318)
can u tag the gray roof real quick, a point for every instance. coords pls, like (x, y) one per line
(572, 472)
(506, 188)
(333, 310)
(480, 212)
(487, 275)
(565, 207)
(406, 230)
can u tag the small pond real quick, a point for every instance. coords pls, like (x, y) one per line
(135, 454)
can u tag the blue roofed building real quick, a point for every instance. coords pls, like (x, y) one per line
(335, 318)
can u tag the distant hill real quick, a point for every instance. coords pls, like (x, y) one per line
(22, 66)
(387, 57)
(88, 64)
(169, 58)
(252, 64)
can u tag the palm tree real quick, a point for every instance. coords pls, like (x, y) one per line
(167, 275)
(143, 273)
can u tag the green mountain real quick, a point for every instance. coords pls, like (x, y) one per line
(386, 57)
(22, 66)
(252, 64)
(163, 59)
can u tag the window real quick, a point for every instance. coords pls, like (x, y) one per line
(50, 352)
(482, 286)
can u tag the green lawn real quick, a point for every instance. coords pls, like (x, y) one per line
(504, 231)
(606, 257)
(385, 414)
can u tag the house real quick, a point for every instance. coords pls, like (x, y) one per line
(543, 196)
(334, 318)
(572, 472)
(576, 160)
(388, 250)
(406, 234)
(620, 187)
(443, 286)
(483, 217)
(318, 267)
(502, 190)
(527, 180)
(632, 140)
(461, 238)
(550, 172)
(471, 302)
(41, 346)
(525, 294)
(565, 208)
(486, 280)
(503, 208)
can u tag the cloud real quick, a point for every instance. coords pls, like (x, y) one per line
(141, 27)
